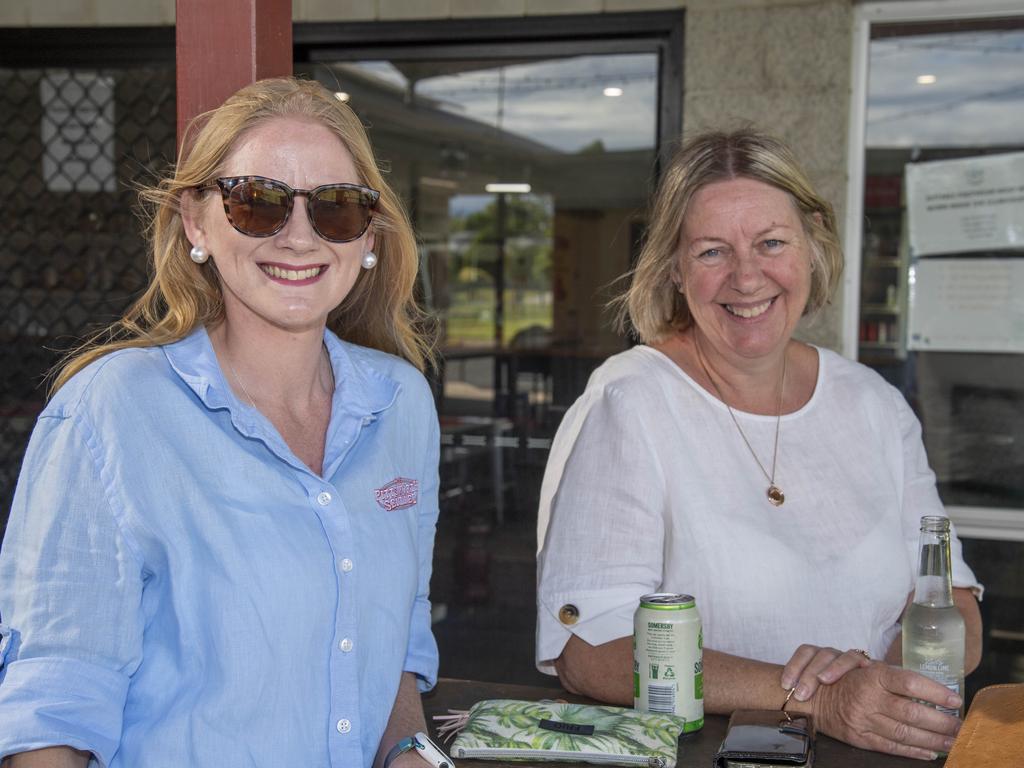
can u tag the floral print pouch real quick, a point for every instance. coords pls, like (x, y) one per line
(538, 731)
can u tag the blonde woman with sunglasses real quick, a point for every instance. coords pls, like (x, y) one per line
(220, 545)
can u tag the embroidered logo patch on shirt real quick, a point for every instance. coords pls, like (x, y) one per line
(398, 494)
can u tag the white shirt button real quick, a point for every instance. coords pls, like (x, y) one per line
(346, 565)
(345, 645)
(323, 498)
(344, 726)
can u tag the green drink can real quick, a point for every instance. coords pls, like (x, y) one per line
(668, 658)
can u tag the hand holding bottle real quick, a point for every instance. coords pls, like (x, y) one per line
(887, 709)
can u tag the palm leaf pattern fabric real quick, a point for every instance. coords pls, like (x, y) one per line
(506, 724)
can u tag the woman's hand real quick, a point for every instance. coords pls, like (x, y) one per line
(874, 707)
(811, 666)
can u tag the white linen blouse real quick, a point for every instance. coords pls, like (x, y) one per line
(649, 487)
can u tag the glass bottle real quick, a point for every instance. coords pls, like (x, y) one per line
(933, 629)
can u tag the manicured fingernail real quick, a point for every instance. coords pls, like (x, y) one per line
(948, 744)
(933, 755)
(802, 693)
(953, 700)
(787, 682)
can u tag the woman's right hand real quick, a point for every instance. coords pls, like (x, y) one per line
(874, 707)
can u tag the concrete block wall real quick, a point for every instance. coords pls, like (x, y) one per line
(780, 65)
(783, 67)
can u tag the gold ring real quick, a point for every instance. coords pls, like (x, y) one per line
(862, 652)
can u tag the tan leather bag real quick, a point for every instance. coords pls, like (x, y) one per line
(992, 735)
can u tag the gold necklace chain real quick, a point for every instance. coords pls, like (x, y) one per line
(775, 495)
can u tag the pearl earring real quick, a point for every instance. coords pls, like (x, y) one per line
(198, 254)
(369, 260)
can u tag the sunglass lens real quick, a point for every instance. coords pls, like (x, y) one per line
(258, 208)
(340, 213)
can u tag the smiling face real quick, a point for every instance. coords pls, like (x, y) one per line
(290, 280)
(744, 265)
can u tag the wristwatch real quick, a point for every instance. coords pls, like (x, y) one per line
(409, 742)
(428, 750)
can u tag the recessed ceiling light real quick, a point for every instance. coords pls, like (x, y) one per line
(925, 79)
(612, 91)
(341, 96)
(511, 188)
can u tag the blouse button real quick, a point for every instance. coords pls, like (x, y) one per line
(344, 726)
(568, 614)
(323, 498)
(346, 565)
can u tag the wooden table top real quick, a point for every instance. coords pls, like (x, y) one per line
(697, 751)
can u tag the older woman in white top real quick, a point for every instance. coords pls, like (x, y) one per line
(777, 482)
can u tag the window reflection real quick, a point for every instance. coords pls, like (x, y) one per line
(939, 92)
(516, 276)
(936, 93)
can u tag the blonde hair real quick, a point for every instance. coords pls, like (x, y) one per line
(380, 311)
(652, 304)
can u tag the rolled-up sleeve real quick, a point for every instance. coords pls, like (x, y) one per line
(422, 656)
(70, 596)
(602, 548)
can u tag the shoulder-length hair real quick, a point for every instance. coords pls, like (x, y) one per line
(652, 304)
(380, 311)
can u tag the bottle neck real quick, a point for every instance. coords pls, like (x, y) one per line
(934, 575)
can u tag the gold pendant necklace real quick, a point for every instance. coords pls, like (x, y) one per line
(775, 495)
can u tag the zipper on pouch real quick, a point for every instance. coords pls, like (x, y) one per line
(552, 755)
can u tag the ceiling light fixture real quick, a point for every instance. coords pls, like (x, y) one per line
(510, 188)
(925, 79)
(612, 91)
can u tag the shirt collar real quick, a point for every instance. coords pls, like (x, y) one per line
(361, 388)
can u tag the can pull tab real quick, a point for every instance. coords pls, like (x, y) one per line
(575, 729)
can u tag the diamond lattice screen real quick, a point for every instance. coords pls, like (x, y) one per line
(74, 143)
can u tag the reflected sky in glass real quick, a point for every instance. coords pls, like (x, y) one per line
(976, 99)
(557, 102)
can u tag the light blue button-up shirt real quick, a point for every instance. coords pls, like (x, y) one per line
(178, 589)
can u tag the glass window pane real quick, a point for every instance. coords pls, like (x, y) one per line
(936, 94)
(527, 180)
(948, 97)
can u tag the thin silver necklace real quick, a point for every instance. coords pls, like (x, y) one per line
(775, 495)
(238, 379)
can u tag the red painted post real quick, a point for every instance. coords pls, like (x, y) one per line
(225, 44)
